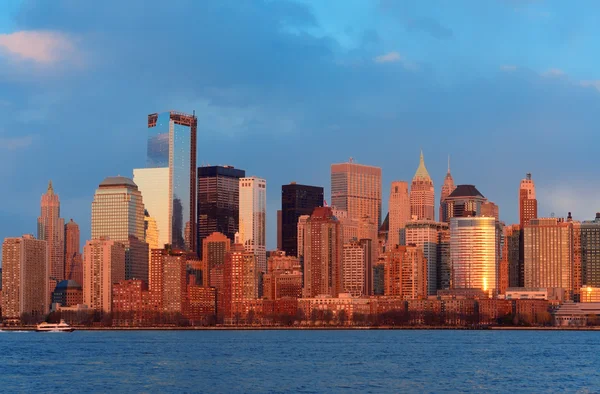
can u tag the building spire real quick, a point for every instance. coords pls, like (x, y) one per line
(448, 164)
(421, 170)
(50, 188)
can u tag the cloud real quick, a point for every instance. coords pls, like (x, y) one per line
(591, 84)
(15, 143)
(395, 57)
(553, 72)
(42, 47)
(508, 67)
(390, 57)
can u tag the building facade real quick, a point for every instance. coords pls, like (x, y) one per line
(51, 229)
(25, 272)
(118, 215)
(356, 189)
(427, 235)
(103, 266)
(474, 254)
(241, 277)
(73, 258)
(218, 202)
(323, 248)
(168, 182)
(405, 272)
(214, 249)
(548, 249)
(253, 212)
(296, 200)
(399, 210)
(447, 189)
(422, 194)
(464, 201)
(527, 201)
(590, 252)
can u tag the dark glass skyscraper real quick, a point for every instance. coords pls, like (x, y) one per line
(218, 201)
(168, 182)
(296, 200)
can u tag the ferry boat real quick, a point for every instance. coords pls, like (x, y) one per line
(53, 327)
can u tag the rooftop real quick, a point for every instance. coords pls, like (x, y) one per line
(422, 170)
(466, 191)
(67, 284)
(117, 181)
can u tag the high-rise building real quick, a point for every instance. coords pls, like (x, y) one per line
(118, 214)
(284, 278)
(296, 200)
(253, 212)
(405, 272)
(322, 254)
(490, 209)
(151, 233)
(167, 282)
(379, 276)
(218, 202)
(73, 258)
(214, 249)
(512, 237)
(474, 253)
(422, 194)
(354, 268)
(399, 210)
(240, 279)
(356, 189)
(168, 182)
(280, 230)
(464, 201)
(25, 269)
(51, 228)
(527, 201)
(427, 235)
(577, 258)
(447, 189)
(590, 252)
(548, 248)
(103, 266)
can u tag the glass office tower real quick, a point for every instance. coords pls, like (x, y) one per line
(168, 183)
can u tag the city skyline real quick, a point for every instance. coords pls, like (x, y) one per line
(376, 90)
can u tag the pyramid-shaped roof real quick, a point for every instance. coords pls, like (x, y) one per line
(421, 170)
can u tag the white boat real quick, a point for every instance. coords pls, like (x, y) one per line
(53, 327)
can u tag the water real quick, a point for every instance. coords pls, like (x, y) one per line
(300, 361)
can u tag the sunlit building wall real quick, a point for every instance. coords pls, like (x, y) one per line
(399, 210)
(422, 194)
(474, 253)
(253, 212)
(426, 235)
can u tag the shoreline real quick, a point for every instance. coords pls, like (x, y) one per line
(332, 328)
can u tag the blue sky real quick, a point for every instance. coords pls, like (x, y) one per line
(283, 89)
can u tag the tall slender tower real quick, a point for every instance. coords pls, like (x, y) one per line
(356, 189)
(422, 194)
(73, 258)
(323, 251)
(399, 211)
(51, 229)
(168, 183)
(253, 212)
(296, 200)
(447, 188)
(527, 201)
(118, 214)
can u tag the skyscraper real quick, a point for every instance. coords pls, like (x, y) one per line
(51, 229)
(422, 194)
(356, 189)
(296, 200)
(25, 269)
(490, 209)
(322, 254)
(464, 201)
(253, 211)
(474, 253)
(218, 201)
(73, 258)
(399, 211)
(355, 265)
(548, 259)
(405, 272)
(512, 236)
(168, 183)
(214, 249)
(103, 266)
(118, 214)
(427, 235)
(527, 201)
(447, 188)
(240, 279)
(590, 252)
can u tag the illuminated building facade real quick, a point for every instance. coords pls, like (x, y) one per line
(429, 236)
(399, 210)
(51, 228)
(253, 212)
(296, 200)
(103, 266)
(474, 253)
(422, 194)
(356, 189)
(405, 272)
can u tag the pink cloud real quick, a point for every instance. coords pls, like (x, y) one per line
(44, 47)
